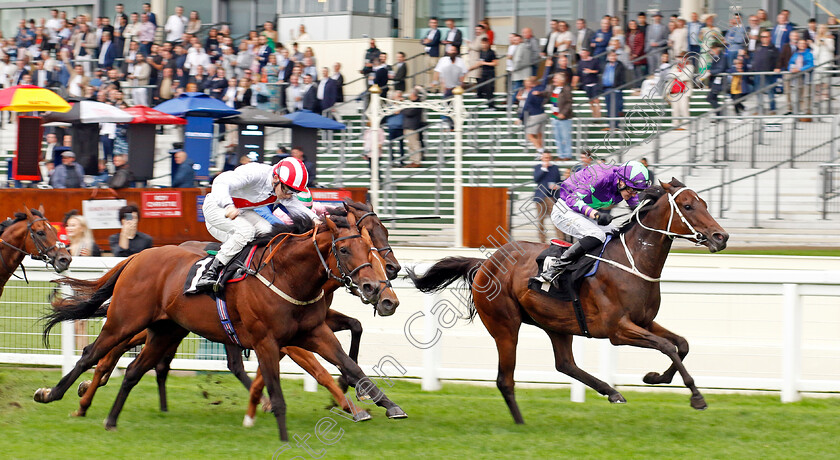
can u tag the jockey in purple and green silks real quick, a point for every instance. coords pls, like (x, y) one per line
(579, 201)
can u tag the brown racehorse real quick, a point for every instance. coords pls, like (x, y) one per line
(382, 259)
(30, 233)
(147, 291)
(619, 304)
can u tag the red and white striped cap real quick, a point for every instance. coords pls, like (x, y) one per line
(292, 172)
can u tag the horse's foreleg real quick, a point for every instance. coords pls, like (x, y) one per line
(628, 333)
(310, 364)
(236, 365)
(268, 353)
(104, 367)
(340, 322)
(653, 378)
(564, 361)
(163, 340)
(322, 341)
(254, 396)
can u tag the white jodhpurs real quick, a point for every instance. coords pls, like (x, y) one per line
(576, 224)
(233, 234)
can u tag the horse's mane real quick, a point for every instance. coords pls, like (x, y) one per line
(647, 199)
(19, 217)
(357, 205)
(300, 224)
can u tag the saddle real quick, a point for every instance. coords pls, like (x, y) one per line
(234, 272)
(567, 286)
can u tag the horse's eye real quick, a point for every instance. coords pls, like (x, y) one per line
(688, 207)
(343, 251)
(42, 233)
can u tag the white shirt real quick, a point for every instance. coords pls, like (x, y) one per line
(753, 31)
(195, 59)
(580, 36)
(430, 36)
(251, 186)
(451, 72)
(450, 36)
(321, 86)
(230, 96)
(552, 43)
(509, 62)
(565, 37)
(103, 51)
(74, 87)
(174, 27)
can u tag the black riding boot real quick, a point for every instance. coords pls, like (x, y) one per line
(570, 256)
(210, 277)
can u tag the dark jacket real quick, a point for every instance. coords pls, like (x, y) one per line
(217, 86)
(122, 178)
(544, 178)
(434, 45)
(330, 94)
(718, 67)
(340, 82)
(619, 78)
(111, 54)
(310, 99)
(457, 40)
(764, 58)
(400, 73)
(784, 57)
(184, 175)
(412, 118)
(564, 102)
(534, 102)
(140, 242)
(380, 77)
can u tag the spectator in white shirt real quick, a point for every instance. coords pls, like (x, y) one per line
(175, 25)
(196, 57)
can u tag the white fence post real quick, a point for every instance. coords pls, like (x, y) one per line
(791, 343)
(68, 347)
(309, 383)
(431, 355)
(606, 363)
(578, 388)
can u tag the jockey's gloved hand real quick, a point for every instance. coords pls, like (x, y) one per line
(231, 212)
(604, 218)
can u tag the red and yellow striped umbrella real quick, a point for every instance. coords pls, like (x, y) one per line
(30, 98)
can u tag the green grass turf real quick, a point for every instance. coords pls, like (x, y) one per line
(461, 421)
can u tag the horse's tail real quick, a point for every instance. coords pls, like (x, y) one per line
(445, 272)
(87, 299)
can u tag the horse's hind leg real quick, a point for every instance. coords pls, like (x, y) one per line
(161, 373)
(564, 361)
(505, 331)
(628, 333)
(236, 365)
(653, 378)
(111, 335)
(164, 338)
(104, 367)
(254, 395)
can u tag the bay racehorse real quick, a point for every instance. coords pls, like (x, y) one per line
(147, 293)
(29, 233)
(382, 258)
(619, 302)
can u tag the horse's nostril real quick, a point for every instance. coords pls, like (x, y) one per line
(368, 289)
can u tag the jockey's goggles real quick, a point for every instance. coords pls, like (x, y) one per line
(288, 190)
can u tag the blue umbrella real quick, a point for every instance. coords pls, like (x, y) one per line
(307, 119)
(196, 104)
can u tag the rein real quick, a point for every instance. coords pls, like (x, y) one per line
(256, 273)
(387, 249)
(696, 236)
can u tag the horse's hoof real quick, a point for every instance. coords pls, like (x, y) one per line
(110, 426)
(616, 398)
(248, 421)
(395, 412)
(651, 378)
(78, 413)
(42, 395)
(698, 402)
(83, 387)
(361, 416)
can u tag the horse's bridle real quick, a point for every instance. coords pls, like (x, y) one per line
(43, 248)
(346, 279)
(387, 249)
(695, 236)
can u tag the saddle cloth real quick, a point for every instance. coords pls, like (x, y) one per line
(567, 285)
(234, 271)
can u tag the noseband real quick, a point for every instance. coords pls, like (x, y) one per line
(695, 236)
(43, 248)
